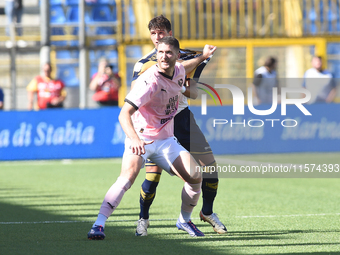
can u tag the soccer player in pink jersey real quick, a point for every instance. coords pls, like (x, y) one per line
(186, 130)
(147, 120)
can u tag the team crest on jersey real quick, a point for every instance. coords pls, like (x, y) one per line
(180, 82)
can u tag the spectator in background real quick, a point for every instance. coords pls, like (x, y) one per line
(265, 79)
(1, 99)
(50, 93)
(103, 62)
(106, 87)
(14, 11)
(319, 82)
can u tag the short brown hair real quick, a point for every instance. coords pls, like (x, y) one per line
(170, 40)
(270, 62)
(160, 22)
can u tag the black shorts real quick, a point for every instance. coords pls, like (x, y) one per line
(188, 134)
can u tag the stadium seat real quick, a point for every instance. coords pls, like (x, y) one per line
(67, 73)
(57, 15)
(72, 14)
(134, 52)
(105, 31)
(334, 68)
(71, 2)
(67, 54)
(100, 2)
(56, 2)
(111, 55)
(102, 13)
(93, 69)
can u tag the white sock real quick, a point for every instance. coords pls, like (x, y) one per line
(184, 216)
(101, 219)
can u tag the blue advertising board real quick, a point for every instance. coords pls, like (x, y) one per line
(96, 133)
(60, 134)
(275, 133)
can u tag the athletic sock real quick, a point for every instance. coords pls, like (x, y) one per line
(209, 189)
(190, 196)
(101, 219)
(114, 196)
(148, 193)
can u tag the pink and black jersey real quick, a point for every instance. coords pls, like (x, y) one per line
(155, 97)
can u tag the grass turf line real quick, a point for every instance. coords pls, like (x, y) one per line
(53, 191)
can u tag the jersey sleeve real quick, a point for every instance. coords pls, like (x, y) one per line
(140, 68)
(63, 90)
(33, 85)
(142, 92)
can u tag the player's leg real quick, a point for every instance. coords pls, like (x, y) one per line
(191, 138)
(210, 181)
(174, 159)
(209, 191)
(131, 166)
(147, 195)
(186, 168)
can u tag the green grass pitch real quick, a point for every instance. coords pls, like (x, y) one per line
(47, 207)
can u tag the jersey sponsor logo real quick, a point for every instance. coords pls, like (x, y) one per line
(163, 121)
(171, 106)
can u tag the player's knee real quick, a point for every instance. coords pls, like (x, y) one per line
(210, 184)
(150, 183)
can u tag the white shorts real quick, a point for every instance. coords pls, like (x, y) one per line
(162, 152)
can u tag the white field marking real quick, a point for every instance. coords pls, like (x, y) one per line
(91, 221)
(62, 161)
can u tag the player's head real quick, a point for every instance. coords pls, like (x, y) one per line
(159, 27)
(317, 62)
(167, 53)
(47, 69)
(101, 64)
(108, 69)
(270, 63)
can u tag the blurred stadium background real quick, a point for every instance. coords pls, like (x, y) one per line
(73, 35)
(245, 31)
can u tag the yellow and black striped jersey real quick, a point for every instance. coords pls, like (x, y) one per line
(151, 59)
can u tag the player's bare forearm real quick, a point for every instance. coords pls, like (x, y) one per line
(191, 64)
(30, 100)
(94, 83)
(191, 89)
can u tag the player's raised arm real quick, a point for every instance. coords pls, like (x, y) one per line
(191, 64)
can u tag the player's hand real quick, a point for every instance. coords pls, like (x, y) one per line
(55, 101)
(208, 50)
(138, 146)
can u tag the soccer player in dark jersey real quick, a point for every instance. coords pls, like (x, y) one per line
(184, 127)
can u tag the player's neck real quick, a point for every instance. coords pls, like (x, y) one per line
(168, 72)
